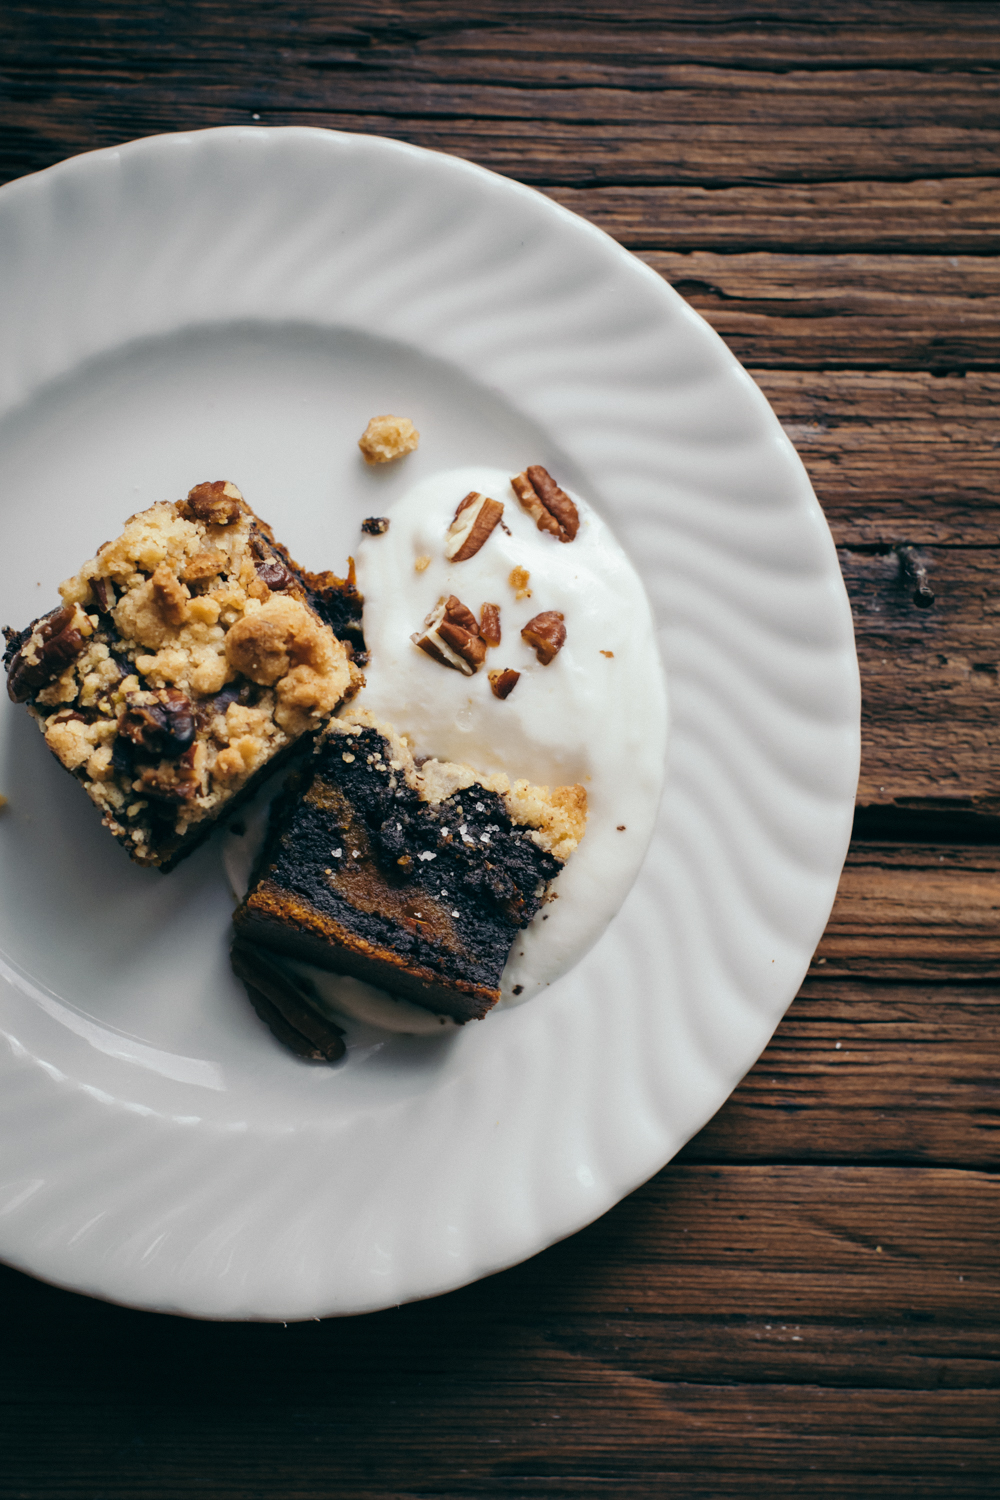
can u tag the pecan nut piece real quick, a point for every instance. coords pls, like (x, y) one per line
(104, 594)
(161, 723)
(489, 624)
(503, 683)
(451, 636)
(474, 521)
(163, 784)
(216, 502)
(547, 634)
(270, 567)
(551, 507)
(44, 652)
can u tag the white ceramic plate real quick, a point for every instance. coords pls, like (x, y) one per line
(239, 302)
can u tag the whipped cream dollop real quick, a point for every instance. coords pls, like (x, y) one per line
(596, 714)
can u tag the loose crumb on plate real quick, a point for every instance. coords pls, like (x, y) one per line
(386, 438)
(518, 581)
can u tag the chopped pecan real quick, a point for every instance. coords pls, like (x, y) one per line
(551, 507)
(474, 521)
(272, 571)
(216, 502)
(285, 1005)
(375, 525)
(171, 596)
(489, 624)
(54, 641)
(450, 634)
(104, 594)
(275, 575)
(503, 683)
(165, 784)
(547, 634)
(160, 723)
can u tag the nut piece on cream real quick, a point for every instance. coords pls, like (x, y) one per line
(489, 624)
(547, 634)
(451, 636)
(503, 682)
(551, 507)
(474, 521)
(386, 438)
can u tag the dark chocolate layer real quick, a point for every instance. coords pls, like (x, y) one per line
(361, 876)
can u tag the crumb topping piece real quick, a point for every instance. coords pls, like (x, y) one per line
(387, 438)
(375, 525)
(518, 581)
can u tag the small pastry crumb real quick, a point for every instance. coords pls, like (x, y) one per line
(386, 438)
(422, 562)
(375, 525)
(607, 653)
(518, 581)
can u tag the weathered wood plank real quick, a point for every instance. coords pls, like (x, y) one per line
(926, 312)
(930, 678)
(535, 89)
(896, 456)
(619, 1436)
(39, 132)
(915, 924)
(589, 36)
(955, 216)
(869, 1072)
(803, 1282)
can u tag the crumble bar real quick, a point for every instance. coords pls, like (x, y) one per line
(187, 659)
(413, 876)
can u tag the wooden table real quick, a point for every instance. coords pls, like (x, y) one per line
(805, 1302)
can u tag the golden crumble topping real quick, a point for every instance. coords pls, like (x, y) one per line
(187, 654)
(386, 438)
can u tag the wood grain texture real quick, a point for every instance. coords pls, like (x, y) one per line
(953, 215)
(922, 312)
(869, 1070)
(806, 1302)
(598, 1362)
